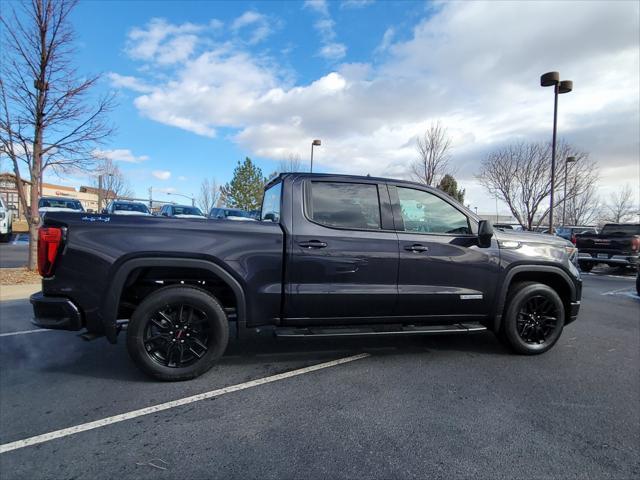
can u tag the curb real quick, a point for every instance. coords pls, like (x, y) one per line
(18, 292)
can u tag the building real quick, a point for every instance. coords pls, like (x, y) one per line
(88, 196)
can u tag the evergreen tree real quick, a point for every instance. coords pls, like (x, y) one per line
(245, 188)
(449, 185)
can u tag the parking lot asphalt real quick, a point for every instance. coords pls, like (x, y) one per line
(15, 253)
(420, 407)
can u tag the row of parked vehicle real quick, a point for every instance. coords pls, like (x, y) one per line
(128, 207)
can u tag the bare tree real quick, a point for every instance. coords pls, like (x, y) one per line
(292, 163)
(209, 195)
(620, 208)
(433, 155)
(114, 183)
(520, 175)
(583, 208)
(46, 119)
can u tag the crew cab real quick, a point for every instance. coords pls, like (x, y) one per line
(617, 244)
(332, 255)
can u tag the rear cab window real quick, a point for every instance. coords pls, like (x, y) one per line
(271, 203)
(353, 206)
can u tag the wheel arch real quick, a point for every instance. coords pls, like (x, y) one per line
(118, 279)
(552, 276)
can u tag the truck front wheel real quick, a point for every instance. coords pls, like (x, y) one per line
(533, 318)
(177, 333)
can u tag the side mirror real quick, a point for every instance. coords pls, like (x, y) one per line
(271, 217)
(485, 232)
(164, 214)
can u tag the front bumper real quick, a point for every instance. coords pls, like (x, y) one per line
(58, 313)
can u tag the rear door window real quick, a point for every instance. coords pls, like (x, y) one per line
(345, 205)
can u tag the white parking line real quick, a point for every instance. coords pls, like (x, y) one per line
(24, 332)
(46, 437)
(620, 291)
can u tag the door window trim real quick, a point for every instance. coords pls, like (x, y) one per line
(399, 221)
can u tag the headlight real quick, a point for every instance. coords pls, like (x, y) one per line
(572, 252)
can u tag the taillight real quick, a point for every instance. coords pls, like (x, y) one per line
(573, 238)
(635, 244)
(49, 240)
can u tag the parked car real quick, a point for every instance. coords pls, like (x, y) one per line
(125, 207)
(181, 211)
(6, 222)
(617, 244)
(569, 232)
(230, 214)
(59, 204)
(333, 255)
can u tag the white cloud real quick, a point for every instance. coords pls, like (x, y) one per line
(161, 174)
(474, 66)
(182, 178)
(330, 49)
(129, 82)
(355, 3)
(255, 26)
(387, 38)
(163, 42)
(120, 155)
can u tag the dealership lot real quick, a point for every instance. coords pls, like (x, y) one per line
(432, 407)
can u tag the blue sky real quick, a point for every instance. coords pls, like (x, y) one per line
(203, 84)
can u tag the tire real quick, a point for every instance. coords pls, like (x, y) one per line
(177, 333)
(538, 330)
(586, 266)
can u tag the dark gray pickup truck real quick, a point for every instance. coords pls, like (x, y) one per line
(617, 245)
(332, 255)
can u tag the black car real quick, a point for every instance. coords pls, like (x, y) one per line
(617, 245)
(181, 211)
(332, 255)
(230, 214)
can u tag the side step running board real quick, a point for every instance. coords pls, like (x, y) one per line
(379, 330)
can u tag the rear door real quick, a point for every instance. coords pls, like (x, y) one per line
(442, 271)
(343, 253)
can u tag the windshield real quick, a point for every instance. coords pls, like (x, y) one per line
(60, 203)
(187, 211)
(629, 229)
(130, 207)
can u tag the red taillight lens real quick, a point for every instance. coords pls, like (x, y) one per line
(49, 240)
(573, 239)
(635, 244)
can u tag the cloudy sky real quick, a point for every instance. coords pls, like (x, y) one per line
(203, 84)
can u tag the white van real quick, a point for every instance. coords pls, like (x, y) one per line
(6, 222)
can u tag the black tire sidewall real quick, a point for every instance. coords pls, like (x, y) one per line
(585, 267)
(511, 315)
(171, 295)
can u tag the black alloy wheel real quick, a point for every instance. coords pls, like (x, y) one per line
(177, 335)
(537, 319)
(533, 318)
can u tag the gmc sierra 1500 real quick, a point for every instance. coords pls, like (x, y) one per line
(332, 255)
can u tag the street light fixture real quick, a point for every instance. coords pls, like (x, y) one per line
(315, 143)
(552, 79)
(564, 198)
(193, 200)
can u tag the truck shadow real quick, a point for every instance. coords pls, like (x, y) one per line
(57, 354)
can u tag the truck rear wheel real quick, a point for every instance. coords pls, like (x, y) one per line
(533, 319)
(177, 333)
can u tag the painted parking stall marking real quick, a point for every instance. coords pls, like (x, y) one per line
(24, 332)
(65, 432)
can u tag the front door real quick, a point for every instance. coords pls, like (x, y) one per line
(442, 271)
(343, 254)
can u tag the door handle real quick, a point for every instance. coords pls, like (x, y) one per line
(313, 244)
(417, 248)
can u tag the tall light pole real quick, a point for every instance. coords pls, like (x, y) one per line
(552, 79)
(193, 200)
(315, 143)
(564, 198)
